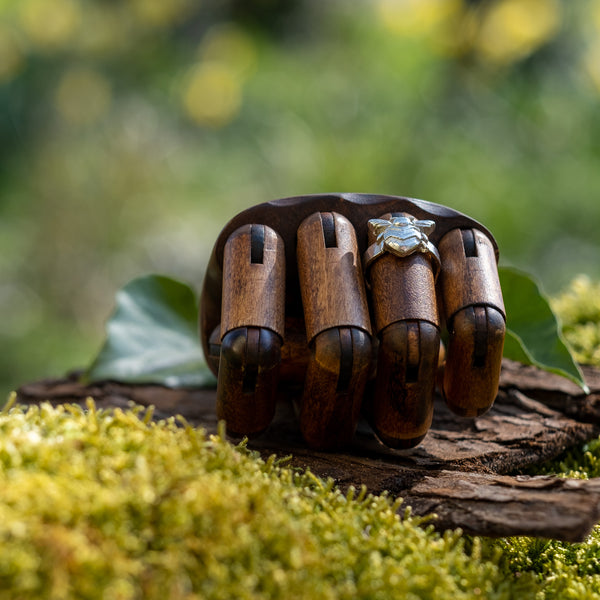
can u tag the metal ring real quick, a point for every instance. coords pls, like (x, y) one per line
(401, 236)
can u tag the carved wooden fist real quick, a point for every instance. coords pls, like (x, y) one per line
(340, 301)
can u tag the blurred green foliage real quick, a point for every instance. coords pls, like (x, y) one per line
(132, 131)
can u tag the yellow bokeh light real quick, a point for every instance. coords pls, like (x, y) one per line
(591, 64)
(160, 13)
(11, 57)
(105, 30)
(82, 96)
(213, 94)
(513, 29)
(416, 17)
(230, 45)
(50, 23)
(595, 12)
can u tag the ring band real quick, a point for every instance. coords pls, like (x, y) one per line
(401, 236)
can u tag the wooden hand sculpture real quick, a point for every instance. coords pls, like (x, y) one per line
(345, 298)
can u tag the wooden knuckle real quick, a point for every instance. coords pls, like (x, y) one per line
(469, 273)
(474, 360)
(336, 376)
(401, 407)
(253, 280)
(247, 379)
(330, 275)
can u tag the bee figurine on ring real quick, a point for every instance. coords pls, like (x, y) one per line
(345, 297)
(401, 235)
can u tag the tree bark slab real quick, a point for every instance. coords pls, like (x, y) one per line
(460, 472)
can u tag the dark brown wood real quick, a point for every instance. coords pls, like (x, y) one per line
(328, 277)
(248, 378)
(545, 507)
(459, 472)
(473, 359)
(474, 315)
(402, 289)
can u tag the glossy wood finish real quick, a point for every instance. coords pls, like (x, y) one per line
(247, 380)
(469, 274)
(405, 310)
(284, 216)
(400, 407)
(252, 328)
(318, 336)
(474, 314)
(330, 275)
(336, 376)
(254, 280)
(338, 329)
(474, 353)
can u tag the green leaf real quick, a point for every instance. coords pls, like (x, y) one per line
(152, 337)
(533, 332)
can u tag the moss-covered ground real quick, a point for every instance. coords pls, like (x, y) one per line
(98, 504)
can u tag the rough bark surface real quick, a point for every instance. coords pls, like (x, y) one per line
(460, 472)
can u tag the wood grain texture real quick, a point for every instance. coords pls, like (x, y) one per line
(334, 385)
(468, 276)
(402, 289)
(474, 315)
(330, 276)
(252, 329)
(253, 286)
(399, 405)
(403, 299)
(248, 378)
(338, 328)
(544, 506)
(473, 360)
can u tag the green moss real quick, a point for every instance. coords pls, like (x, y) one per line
(101, 504)
(562, 570)
(579, 309)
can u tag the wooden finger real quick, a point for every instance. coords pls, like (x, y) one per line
(407, 324)
(252, 329)
(475, 318)
(337, 329)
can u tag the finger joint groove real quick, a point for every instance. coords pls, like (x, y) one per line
(328, 222)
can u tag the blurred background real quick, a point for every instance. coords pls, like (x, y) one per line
(132, 130)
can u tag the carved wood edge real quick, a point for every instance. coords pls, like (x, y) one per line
(461, 472)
